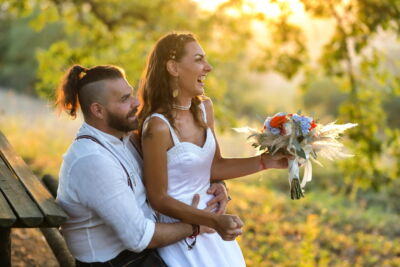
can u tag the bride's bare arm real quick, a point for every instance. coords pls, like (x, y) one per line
(156, 142)
(228, 168)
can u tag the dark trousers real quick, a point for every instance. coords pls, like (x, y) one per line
(148, 258)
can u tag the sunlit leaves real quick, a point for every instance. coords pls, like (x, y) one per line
(321, 230)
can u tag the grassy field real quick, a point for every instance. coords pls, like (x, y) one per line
(322, 229)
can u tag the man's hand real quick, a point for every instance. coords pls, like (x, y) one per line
(220, 200)
(195, 202)
(229, 226)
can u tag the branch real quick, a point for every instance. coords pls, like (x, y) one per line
(348, 58)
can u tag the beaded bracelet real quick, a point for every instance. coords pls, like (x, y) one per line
(196, 232)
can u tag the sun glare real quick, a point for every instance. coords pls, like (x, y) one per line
(271, 9)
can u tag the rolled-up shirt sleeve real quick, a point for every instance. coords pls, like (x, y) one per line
(101, 185)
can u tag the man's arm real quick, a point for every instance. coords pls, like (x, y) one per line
(100, 185)
(168, 233)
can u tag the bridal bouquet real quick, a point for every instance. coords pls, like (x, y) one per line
(302, 137)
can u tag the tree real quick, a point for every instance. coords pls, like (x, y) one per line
(360, 69)
(123, 32)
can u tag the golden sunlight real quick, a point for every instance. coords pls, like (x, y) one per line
(271, 9)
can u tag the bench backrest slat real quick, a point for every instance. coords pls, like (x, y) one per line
(27, 211)
(7, 217)
(54, 215)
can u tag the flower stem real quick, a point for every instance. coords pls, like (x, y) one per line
(295, 189)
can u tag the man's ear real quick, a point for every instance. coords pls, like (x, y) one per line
(97, 110)
(172, 68)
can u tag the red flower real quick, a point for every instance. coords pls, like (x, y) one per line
(312, 125)
(278, 121)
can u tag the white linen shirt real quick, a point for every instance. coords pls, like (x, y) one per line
(105, 216)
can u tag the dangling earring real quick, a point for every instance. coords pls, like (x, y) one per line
(175, 91)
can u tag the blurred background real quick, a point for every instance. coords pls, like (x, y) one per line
(336, 60)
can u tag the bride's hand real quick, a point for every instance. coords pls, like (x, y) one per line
(277, 161)
(228, 226)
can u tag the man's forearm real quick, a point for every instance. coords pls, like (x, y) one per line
(168, 233)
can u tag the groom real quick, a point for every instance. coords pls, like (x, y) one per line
(110, 221)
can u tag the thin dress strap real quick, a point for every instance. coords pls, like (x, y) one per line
(175, 138)
(203, 109)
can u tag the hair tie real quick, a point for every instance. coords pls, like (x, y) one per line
(82, 74)
(172, 54)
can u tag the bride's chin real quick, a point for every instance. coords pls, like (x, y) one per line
(200, 90)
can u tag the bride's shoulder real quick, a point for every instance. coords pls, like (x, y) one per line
(155, 124)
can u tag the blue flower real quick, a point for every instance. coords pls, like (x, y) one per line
(275, 131)
(303, 122)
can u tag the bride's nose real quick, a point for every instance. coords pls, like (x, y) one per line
(208, 67)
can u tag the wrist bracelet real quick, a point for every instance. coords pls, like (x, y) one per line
(196, 232)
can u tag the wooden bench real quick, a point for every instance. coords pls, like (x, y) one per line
(24, 202)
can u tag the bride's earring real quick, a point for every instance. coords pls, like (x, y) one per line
(175, 91)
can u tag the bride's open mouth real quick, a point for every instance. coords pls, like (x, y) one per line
(201, 79)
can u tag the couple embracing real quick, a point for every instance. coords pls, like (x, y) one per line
(141, 182)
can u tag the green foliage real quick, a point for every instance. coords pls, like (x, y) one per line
(319, 230)
(323, 97)
(123, 32)
(353, 80)
(364, 75)
(18, 46)
(322, 229)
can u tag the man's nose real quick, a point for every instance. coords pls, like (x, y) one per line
(135, 102)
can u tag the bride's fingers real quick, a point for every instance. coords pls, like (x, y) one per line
(230, 237)
(234, 232)
(221, 207)
(215, 200)
(211, 207)
(239, 222)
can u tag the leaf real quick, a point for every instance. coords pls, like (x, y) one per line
(299, 151)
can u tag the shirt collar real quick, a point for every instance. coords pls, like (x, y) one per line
(87, 129)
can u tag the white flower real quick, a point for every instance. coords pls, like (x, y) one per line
(288, 128)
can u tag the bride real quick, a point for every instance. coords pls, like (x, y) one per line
(181, 152)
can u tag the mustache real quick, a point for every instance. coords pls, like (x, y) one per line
(132, 112)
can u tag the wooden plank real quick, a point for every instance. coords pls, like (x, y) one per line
(54, 215)
(24, 207)
(58, 246)
(51, 184)
(5, 247)
(7, 216)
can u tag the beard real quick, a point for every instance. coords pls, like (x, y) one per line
(122, 123)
